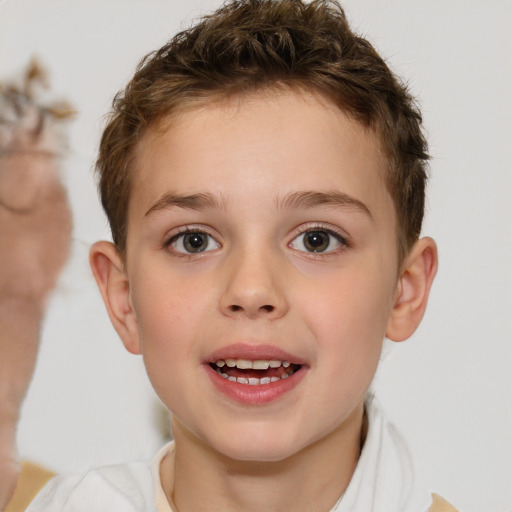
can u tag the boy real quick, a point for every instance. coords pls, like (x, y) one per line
(263, 175)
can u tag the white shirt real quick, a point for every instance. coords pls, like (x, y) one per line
(384, 481)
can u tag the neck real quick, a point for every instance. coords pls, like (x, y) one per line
(197, 478)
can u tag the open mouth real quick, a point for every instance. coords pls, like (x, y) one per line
(258, 372)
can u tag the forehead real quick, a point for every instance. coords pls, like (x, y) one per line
(282, 142)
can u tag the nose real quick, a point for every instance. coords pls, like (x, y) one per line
(254, 287)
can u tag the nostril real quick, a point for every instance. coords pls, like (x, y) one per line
(250, 311)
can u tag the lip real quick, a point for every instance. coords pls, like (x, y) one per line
(258, 394)
(253, 352)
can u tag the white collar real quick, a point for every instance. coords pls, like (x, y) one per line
(385, 479)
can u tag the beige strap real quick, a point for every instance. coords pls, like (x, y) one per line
(32, 479)
(440, 505)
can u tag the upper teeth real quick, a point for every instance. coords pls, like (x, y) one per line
(246, 364)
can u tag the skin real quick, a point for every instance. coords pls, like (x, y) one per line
(35, 234)
(256, 283)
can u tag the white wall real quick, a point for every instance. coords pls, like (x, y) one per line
(450, 387)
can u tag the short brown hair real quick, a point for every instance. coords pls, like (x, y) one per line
(251, 45)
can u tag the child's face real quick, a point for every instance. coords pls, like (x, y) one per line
(261, 231)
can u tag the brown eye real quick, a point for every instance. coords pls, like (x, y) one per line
(318, 240)
(193, 243)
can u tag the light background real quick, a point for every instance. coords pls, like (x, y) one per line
(450, 387)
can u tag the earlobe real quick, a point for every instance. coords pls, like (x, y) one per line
(109, 271)
(413, 288)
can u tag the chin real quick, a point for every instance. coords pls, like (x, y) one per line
(260, 447)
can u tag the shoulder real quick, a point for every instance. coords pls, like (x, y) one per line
(440, 505)
(123, 487)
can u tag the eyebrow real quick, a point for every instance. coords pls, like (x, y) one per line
(312, 199)
(296, 200)
(188, 202)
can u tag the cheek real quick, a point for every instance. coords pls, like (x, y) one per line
(171, 312)
(348, 316)
(359, 298)
(164, 333)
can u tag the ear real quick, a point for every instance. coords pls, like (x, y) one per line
(109, 271)
(413, 288)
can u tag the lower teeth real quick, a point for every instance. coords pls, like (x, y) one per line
(252, 381)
